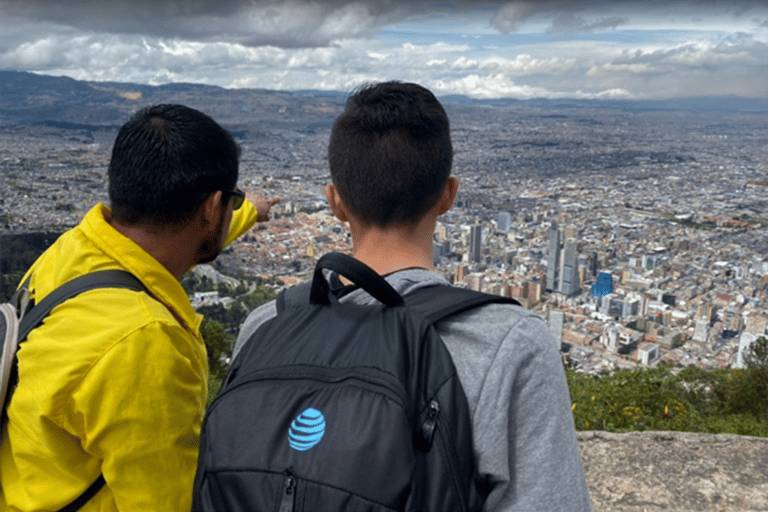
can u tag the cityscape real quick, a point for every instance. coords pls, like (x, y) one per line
(638, 232)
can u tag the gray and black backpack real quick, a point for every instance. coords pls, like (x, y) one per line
(339, 406)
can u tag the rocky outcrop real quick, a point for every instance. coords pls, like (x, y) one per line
(675, 471)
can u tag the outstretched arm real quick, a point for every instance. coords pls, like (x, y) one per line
(255, 209)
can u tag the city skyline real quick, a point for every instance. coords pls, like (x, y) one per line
(670, 202)
(520, 49)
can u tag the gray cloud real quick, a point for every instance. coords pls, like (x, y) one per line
(285, 23)
(305, 23)
(570, 23)
(567, 15)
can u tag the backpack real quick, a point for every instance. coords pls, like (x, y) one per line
(20, 316)
(341, 406)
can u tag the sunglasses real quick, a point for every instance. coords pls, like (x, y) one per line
(238, 197)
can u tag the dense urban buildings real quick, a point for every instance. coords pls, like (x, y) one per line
(638, 234)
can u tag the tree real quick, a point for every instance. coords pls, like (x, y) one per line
(261, 295)
(756, 359)
(218, 344)
(756, 355)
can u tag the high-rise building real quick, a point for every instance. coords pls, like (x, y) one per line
(533, 291)
(603, 286)
(475, 242)
(569, 277)
(437, 249)
(441, 232)
(504, 221)
(459, 272)
(592, 264)
(631, 307)
(553, 258)
(701, 331)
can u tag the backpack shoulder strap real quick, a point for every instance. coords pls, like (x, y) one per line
(434, 303)
(295, 295)
(89, 493)
(100, 279)
(438, 302)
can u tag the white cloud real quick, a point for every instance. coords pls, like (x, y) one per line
(316, 45)
(491, 86)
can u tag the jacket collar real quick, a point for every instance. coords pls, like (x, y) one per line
(129, 255)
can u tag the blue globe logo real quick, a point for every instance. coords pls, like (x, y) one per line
(306, 430)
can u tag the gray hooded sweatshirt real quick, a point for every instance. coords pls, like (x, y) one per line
(508, 363)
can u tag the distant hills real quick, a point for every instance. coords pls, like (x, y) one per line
(64, 103)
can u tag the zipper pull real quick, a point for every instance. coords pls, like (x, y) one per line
(429, 426)
(289, 493)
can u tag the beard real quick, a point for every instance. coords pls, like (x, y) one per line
(211, 245)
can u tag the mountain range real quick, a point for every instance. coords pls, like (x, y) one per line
(61, 102)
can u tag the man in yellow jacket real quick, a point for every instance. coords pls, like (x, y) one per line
(114, 381)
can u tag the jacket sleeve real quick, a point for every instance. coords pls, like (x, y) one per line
(139, 409)
(528, 449)
(243, 219)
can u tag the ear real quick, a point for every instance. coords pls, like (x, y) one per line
(335, 203)
(449, 195)
(211, 209)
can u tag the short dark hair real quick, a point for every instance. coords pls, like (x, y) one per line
(164, 160)
(390, 153)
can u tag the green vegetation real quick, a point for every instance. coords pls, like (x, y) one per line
(218, 343)
(711, 401)
(233, 315)
(17, 254)
(220, 326)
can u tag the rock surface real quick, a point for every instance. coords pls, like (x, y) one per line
(675, 471)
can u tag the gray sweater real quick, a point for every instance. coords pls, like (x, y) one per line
(507, 361)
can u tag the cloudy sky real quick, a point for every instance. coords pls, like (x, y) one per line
(520, 48)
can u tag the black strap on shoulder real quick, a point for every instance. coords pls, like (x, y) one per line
(100, 279)
(356, 271)
(438, 302)
(89, 493)
(434, 303)
(293, 296)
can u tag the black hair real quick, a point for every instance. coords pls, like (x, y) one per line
(390, 153)
(164, 161)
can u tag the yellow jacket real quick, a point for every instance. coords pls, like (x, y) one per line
(113, 382)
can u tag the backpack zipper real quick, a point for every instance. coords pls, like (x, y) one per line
(430, 423)
(453, 463)
(362, 376)
(289, 493)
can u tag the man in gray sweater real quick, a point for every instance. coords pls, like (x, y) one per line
(390, 156)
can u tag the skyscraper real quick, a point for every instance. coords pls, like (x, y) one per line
(475, 242)
(553, 258)
(569, 277)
